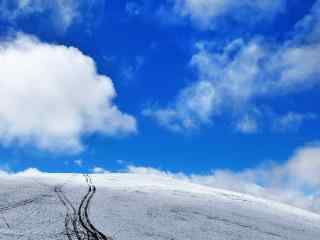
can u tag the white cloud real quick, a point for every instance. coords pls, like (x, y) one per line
(121, 162)
(130, 70)
(247, 125)
(297, 66)
(52, 95)
(99, 170)
(296, 182)
(28, 172)
(62, 13)
(231, 78)
(309, 25)
(292, 121)
(195, 103)
(303, 167)
(78, 162)
(206, 13)
(226, 81)
(146, 170)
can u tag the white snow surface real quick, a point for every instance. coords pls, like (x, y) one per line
(130, 206)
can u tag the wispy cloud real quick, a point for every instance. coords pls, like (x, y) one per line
(129, 71)
(231, 78)
(247, 124)
(206, 14)
(133, 8)
(61, 14)
(292, 121)
(99, 170)
(78, 162)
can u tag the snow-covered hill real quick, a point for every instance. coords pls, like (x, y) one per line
(140, 207)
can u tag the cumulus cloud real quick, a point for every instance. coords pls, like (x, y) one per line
(206, 13)
(61, 13)
(296, 182)
(232, 78)
(52, 95)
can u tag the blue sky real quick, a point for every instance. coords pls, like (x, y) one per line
(201, 85)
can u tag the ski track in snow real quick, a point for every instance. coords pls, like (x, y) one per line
(145, 207)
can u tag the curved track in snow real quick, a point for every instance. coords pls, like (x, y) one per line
(77, 222)
(141, 207)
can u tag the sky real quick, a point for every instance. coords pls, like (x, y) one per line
(217, 91)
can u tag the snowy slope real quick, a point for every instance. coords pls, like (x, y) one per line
(135, 206)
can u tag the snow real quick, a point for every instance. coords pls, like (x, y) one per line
(130, 206)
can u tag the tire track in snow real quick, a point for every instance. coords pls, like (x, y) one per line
(83, 213)
(77, 222)
(72, 229)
